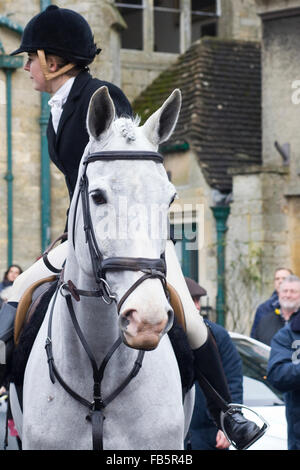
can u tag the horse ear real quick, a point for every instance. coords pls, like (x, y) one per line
(161, 124)
(101, 112)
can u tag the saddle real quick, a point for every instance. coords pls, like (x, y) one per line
(30, 314)
(29, 303)
(176, 305)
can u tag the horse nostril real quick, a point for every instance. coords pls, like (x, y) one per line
(125, 318)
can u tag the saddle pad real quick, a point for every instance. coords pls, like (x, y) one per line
(25, 303)
(29, 332)
(177, 306)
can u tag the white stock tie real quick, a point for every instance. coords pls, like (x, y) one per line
(56, 112)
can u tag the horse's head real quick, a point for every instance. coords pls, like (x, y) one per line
(127, 196)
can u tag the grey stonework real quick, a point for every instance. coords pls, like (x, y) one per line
(265, 211)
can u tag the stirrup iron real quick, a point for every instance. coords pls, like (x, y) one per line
(237, 408)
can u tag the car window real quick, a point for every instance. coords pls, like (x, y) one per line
(258, 391)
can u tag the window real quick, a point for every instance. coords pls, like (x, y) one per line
(186, 248)
(166, 26)
(204, 18)
(132, 13)
(170, 26)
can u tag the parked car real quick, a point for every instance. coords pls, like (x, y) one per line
(259, 395)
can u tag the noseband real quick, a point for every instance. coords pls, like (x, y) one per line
(152, 268)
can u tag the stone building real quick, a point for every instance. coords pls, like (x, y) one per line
(31, 213)
(140, 39)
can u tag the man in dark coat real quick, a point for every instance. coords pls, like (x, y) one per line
(271, 305)
(284, 362)
(269, 324)
(203, 433)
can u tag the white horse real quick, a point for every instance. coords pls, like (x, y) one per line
(114, 231)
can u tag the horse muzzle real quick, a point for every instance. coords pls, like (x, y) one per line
(139, 333)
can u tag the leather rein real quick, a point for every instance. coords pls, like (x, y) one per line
(151, 268)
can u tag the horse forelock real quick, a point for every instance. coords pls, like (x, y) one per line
(126, 127)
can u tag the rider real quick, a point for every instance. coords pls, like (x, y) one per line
(58, 64)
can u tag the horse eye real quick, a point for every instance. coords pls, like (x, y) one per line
(99, 197)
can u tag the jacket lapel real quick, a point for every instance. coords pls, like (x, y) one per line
(69, 107)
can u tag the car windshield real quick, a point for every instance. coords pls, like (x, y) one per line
(257, 390)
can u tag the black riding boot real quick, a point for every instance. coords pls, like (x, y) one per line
(208, 368)
(7, 318)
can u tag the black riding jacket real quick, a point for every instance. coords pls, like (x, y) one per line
(67, 146)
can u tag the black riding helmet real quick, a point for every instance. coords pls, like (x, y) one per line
(61, 32)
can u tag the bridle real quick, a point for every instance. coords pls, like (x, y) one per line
(151, 268)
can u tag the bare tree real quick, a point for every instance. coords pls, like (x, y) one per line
(243, 284)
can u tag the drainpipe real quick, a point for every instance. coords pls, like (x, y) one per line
(8, 65)
(45, 177)
(221, 214)
(9, 174)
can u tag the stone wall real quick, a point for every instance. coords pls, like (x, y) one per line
(256, 242)
(140, 69)
(263, 229)
(239, 20)
(281, 54)
(281, 106)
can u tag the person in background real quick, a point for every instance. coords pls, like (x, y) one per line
(271, 322)
(272, 304)
(203, 433)
(284, 363)
(10, 275)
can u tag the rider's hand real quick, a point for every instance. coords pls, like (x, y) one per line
(221, 441)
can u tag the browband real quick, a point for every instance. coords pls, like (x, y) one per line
(123, 155)
(134, 264)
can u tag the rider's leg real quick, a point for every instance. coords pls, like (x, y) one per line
(8, 310)
(207, 359)
(38, 271)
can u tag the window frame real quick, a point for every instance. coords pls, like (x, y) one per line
(185, 28)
